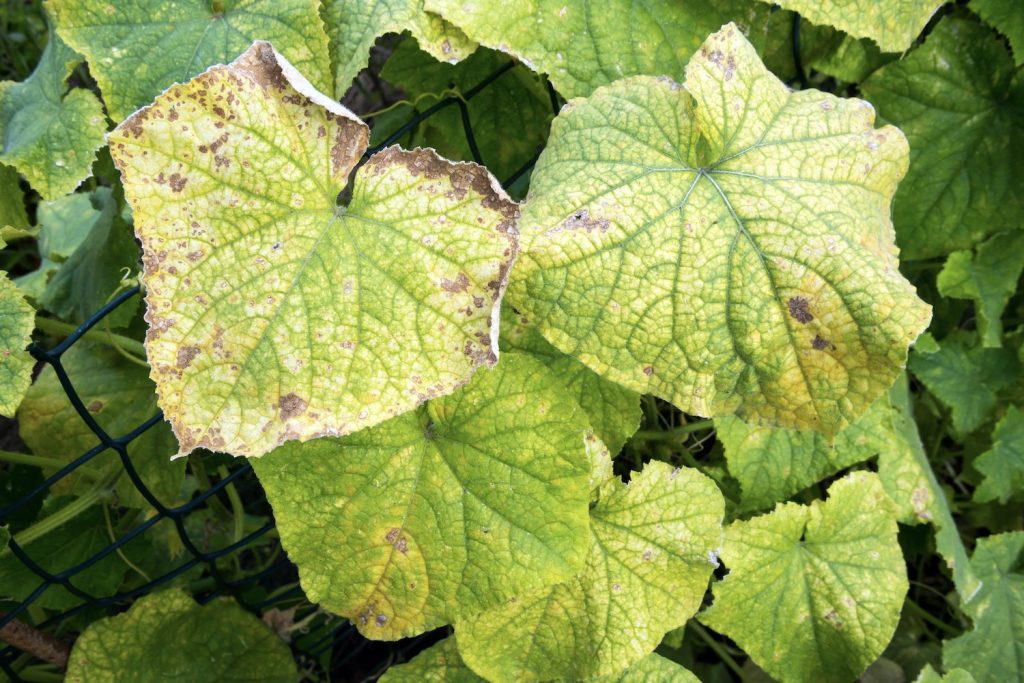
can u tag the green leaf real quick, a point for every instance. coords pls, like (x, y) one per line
(17, 320)
(354, 26)
(69, 544)
(853, 60)
(13, 219)
(614, 411)
(653, 545)
(988, 275)
(773, 464)
(967, 378)
(167, 636)
(441, 663)
(442, 511)
(66, 222)
(726, 246)
(814, 593)
(120, 396)
(86, 281)
(994, 650)
(928, 675)
(137, 48)
(275, 313)
(1003, 464)
(1007, 16)
(893, 24)
(509, 121)
(908, 478)
(961, 104)
(48, 133)
(582, 47)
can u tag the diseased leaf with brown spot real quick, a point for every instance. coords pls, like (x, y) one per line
(277, 314)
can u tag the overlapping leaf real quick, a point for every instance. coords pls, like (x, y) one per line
(276, 313)
(960, 101)
(993, 651)
(1007, 17)
(137, 48)
(17, 319)
(167, 636)
(653, 545)
(46, 132)
(354, 25)
(1003, 464)
(727, 248)
(814, 593)
(443, 511)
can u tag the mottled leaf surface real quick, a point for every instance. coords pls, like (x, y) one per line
(137, 48)
(1003, 464)
(893, 24)
(275, 313)
(46, 132)
(17, 320)
(988, 276)
(960, 102)
(814, 592)
(443, 511)
(653, 545)
(993, 651)
(354, 25)
(582, 45)
(167, 636)
(726, 246)
(614, 410)
(120, 396)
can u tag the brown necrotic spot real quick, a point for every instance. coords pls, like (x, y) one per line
(820, 343)
(799, 309)
(291, 405)
(95, 406)
(459, 284)
(397, 540)
(185, 356)
(177, 182)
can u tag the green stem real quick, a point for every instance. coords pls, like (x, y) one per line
(39, 461)
(62, 329)
(931, 619)
(673, 434)
(237, 509)
(717, 648)
(101, 491)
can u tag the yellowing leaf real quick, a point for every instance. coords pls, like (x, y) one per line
(137, 48)
(726, 246)
(893, 24)
(277, 314)
(443, 511)
(48, 133)
(354, 25)
(653, 545)
(814, 593)
(17, 320)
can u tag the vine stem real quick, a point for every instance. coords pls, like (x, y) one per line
(62, 329)
(672, 434)
(36, 643)
(931, 619)
(717, 648)
(39, 461)
(101, 491)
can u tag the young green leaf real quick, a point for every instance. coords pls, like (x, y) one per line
(1007, 16)
(48, 133)
(167, 636)
(120, 396)
(443, 511)
(961, 187)
(893, 24)
(814, 593)
(993, 651)
(277, 314)
(1003, 464)
(988, 276)
(582, 47)
(728, 248)
(137, 48)
(928, 675)
(653, 545)
(354, 25)
(614, 410)
(967, 378)
(17, 320)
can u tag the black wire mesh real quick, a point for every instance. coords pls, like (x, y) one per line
(325, 634)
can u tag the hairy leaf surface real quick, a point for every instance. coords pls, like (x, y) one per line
(276, 313)
(48, 133)
(167, 636)
(961, 103)
(653, 545)
(443, 511)
(137, 48)
(726, 247)
(814, 592)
